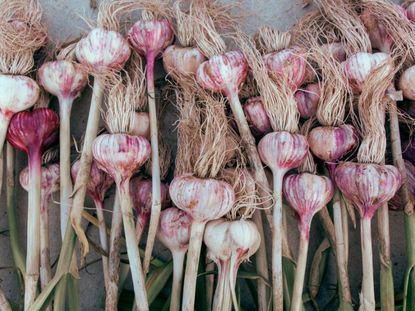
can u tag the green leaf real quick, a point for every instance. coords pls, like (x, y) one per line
(157, 279)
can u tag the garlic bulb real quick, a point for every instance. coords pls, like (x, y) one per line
(257, 117)
(182, 61)
(331, 143)
(406, 83)
(307, 100)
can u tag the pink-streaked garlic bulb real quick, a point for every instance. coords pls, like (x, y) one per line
(99, 181)
(33, 132)
(49, 183)
(378, 35)
(203, 200)
(410, 11)
(336, 49)
(17, 93)
(307, 194)
(229, 243)
(223, 73)
(141, 125)
(283, 151)
(65, 80)
(367, 186)
(151, 36)
(62, 78)
(307, 100)
(174, 233)
(359, 66)
(257, 117)
(141, 193)
(406, 83)
(397, 203)
(331, 143)
(290, 63)
(182, 61)
(103, 50)
(120, 155)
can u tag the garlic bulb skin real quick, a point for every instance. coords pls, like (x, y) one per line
(151, 36)
(257, 117)
(406, 83)
(410, 11)
(283, 150)
(120, 155)
(182, 61)
(367, 185)
(174, 229)
(307, 194)
(307, 100)
(17, 93)
(379, 38)
(223, 73)
(358, 67)
(33, 131)
(217, 240)
(336, 49)
(202, 199)
(103, 50)
(62, 78)
(245, 238)
(49, 182)
(141, 190)
(141, 125)
(397, 203)
(99, 181)
(331, 143)
(288, 62)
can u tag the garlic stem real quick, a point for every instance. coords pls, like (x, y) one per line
(345, 220)
(192, 264)
(297, 301)
(340, 249)
(102, 228)
(4, 124)
(155, 165)
(249, 144)
(132, 246)
(33, 230)
(178, 262)
(45, 267)
(82, 178)
(387, 299)
(220, 285)
(111, 298)
(4, 304)
(210, 283)
(368, 292)
(277, 277)
(65, 106)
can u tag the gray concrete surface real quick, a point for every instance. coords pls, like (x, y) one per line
(64, 21)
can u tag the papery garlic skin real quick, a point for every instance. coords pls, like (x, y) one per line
(17, 93)
(103, 50)
(33, 131)
(151, 36)
(141, 125)
(182, 61)
(358, 67)
(257, 117)
(202, 199)
(290, 63)
(307, 100)
(141, 190)
(410, 12)
(99, 181)
(62, 78)
(120, 155)
(379, 38)
(283, 150)
(331, 143)
(223, 73)
(367, 185)
(307, 194)
(49, 181)
(174, 229)
(406, 83)
(336, 49)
